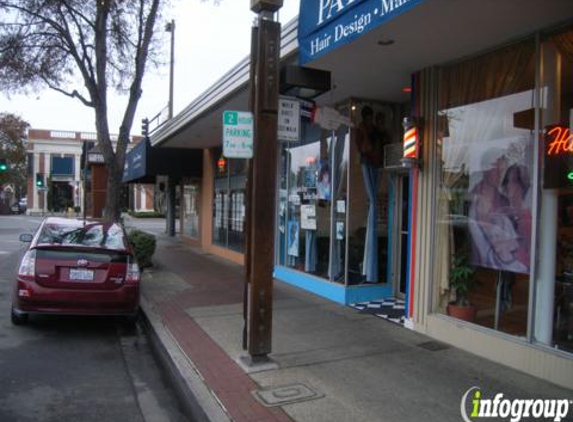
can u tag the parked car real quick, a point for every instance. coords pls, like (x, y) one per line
(23, 203)
(77, 268)
(19, 207)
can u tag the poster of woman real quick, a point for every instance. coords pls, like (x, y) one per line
(323, 183)
(500, 208)
(292, 238)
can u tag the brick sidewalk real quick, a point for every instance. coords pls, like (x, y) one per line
(210, 282)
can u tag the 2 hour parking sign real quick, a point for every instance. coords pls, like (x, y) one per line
(238, 134)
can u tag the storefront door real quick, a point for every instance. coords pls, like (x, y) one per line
(401, 233)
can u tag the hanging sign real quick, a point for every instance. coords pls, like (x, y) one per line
(330, 119)
(325, 25)
(288, 120)
(238, 134)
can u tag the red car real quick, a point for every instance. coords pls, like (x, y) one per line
(76, 267)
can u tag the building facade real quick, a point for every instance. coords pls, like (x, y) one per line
(56, 160)
(488, 189)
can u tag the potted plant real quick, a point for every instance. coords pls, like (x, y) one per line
(462, 281)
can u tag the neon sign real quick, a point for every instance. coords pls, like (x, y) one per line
(558, 168)
(559, 140)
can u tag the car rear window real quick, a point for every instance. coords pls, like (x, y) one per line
(97, 235)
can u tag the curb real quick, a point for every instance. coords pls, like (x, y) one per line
(195, 396)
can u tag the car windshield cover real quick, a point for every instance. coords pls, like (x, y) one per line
(97, 235)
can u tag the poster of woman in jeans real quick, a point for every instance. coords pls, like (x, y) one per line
(500, 212)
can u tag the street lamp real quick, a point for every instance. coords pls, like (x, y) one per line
(170, 27)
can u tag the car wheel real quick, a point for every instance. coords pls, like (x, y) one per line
(19, 319)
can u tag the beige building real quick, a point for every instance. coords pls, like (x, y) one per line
(55, 181)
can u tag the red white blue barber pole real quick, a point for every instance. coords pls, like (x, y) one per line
(410, 143)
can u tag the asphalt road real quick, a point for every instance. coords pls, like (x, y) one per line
(70, 368)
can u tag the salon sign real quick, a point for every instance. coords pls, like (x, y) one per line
(558, 168)
(325, 25)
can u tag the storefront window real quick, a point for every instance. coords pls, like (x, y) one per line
(312, 188)
(369, 194)
(229, 203)
(553, 323)
(485, 154)
(191, 209)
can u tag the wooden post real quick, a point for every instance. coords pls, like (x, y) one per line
(248, 223)
(262, 210)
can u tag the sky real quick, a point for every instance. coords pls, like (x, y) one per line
(210, 38)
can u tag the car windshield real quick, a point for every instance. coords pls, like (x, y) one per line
(98, 235)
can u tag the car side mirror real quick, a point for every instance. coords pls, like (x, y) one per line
(26, 237)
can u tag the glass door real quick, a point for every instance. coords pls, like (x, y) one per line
(401, 233)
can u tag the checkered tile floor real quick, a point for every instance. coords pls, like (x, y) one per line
(390, 309)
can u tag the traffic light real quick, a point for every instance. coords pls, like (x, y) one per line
(3, 165)
(145, 127)
(40, 180)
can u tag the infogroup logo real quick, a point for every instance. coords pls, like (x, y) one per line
(513, 410)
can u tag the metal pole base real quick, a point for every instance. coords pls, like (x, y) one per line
(259, 363)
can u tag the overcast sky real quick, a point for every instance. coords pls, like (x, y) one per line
(209, 40)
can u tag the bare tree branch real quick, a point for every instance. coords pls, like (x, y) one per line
(102, 43)
(73, 94)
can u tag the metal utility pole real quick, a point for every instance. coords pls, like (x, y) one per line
(170, 27)
(260, 243)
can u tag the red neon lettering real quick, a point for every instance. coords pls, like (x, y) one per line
(562, 140)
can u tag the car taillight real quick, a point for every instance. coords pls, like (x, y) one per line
(28, 264)
(132, 275)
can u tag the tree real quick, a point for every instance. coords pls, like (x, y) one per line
(13, 151)
(62, 44)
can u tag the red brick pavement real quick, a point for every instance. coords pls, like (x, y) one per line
(213, 283)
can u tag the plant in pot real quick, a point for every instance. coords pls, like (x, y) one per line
(462, 281)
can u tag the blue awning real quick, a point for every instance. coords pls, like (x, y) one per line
(325, 25)
(143, 163)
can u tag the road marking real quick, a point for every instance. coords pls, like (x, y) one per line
(4, 252)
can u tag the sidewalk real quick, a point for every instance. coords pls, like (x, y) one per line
(335, 363)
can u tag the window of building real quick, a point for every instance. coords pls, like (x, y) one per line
(312, 205)
(229, 202)
(370, 193)
(553, 324)
(484, 204)
(62, 166)
(191, 195)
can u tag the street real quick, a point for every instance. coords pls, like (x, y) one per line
(70, 368)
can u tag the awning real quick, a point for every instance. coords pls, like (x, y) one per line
(325, 26)
(144, 163)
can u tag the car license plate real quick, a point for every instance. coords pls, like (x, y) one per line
(80, 274)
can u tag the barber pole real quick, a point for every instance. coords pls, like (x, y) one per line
(410, 139)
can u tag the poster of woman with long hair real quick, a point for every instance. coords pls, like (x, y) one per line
(500, 208)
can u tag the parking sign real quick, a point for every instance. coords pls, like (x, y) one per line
(238, 134)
